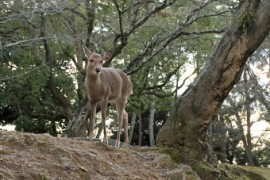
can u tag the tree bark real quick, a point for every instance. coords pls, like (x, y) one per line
(187, 125)
(249, 123)
(132, 125)
(140, 129)
(77, 126)
(151, 124)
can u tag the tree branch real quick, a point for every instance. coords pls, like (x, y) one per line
(51, 79)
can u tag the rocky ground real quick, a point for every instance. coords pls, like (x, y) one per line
(41, 156)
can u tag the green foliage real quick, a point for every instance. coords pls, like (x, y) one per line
(246, 20)
(263, 154)
(26, 124)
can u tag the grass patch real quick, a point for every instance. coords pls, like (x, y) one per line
(264, 172)
(230, 172)
(173, 152)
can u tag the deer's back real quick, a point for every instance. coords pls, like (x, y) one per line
(117, 80)
(113, 84)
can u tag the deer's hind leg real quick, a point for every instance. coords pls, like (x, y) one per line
(125, 125)
(120, 105)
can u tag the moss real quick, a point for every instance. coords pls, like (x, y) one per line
(173, 152)
(224, 172)
(246, 20)
(206, 170)
(146, 149)
(251, 172)
(3, 152)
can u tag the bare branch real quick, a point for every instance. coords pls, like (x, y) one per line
(259, 90)
(207, 16)
(141, 21)
(135, 23)
(166, 79)
(196, 10)
(28, 40)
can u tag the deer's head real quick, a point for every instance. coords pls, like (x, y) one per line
(95, 60)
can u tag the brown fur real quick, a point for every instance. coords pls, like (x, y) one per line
(107, 85)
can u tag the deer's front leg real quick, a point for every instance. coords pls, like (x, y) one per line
(103, 117)
(86, 117)
(92, 121)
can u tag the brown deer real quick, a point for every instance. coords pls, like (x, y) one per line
(106, 85)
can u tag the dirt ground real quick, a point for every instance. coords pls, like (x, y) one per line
(41, 156)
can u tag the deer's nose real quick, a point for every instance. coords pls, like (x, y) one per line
(97, 70)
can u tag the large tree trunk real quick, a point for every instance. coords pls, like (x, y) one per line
(187, 125)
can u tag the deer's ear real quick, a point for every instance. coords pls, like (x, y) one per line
(87, 51)
(106, 56)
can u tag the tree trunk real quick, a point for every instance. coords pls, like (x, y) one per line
(210, 137)
(188, 123)
(151, 124)
(51, 78)
(249, 124)
(241, 129)
(258, 90)
(77, 126)
(132, 125)
(140, 129)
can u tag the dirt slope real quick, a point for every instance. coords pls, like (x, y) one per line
(41, 156)
(34, 156)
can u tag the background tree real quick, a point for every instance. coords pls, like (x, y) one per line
(188, 123)
(245, 107)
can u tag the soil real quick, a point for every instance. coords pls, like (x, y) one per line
(41, 156)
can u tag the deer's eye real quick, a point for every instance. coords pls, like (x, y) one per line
(101, 62)
(91, 60)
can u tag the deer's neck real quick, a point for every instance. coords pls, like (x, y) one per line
(93, 81)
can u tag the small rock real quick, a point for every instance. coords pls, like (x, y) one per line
(82, 168)
(175, 174)
(66, 161)
(92, 152)
(186, 169)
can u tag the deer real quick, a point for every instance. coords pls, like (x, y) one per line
(106, 85)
